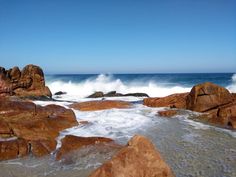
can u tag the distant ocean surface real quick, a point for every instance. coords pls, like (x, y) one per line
(82, 85)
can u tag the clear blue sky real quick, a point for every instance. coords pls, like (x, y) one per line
(119, 36)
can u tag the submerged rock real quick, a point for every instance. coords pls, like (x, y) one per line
(138, 158)
(28, 82)
(36, 126)
(71, 143)
(100, 105)
(167, 113)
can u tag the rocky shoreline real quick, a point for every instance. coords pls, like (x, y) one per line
(29, 129)
(217, 104)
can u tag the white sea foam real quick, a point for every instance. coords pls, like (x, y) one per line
(232, 87)
(118, 124)
(107, 83)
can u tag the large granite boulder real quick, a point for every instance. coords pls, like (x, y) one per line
(71, 143)
(28, 82)
(177, 100)
(138, 159)
(206, 96)
(25, 125)
(100, 105)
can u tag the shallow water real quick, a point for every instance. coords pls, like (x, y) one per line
(190, 148)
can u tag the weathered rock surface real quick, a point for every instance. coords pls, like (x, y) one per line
(71, 143)
(167, 113)
(138, 159)
(174, 101)
(25, 125)
(115, 94)
(28, 82)
(206, 96)
(100, 105)
(223, 116)
(13, 148)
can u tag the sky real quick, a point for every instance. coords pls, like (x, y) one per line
(119, 36)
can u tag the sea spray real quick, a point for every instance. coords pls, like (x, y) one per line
(232, 87)
(107, 83)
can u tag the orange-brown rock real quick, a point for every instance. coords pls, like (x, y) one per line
(167, 113)
(13, 148)
(38, 126)
(100, 105)
(138, 159)
(71, 143)
(223, 116)
(207, 96)
(42, 147)
(174, 101)
(28, 82)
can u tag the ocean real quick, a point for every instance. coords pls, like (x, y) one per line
(192, 149)
(155, 85)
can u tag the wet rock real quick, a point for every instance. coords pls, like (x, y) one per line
(173, 101)
(139, 158)
(40, 148)
(206, 96)
(115, 94)
(224, 116)
(100, 105)
(96, 95)
(136, 94)
(167, 113)
(38, 126)
(71, 143)
(60, 93)
(28, 82)
(13, 149)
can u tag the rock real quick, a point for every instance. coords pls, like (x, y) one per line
(115, 94)
(173, 101)
(100, 105)
(136, 94)
(37, 126)
(111, 93)
(96, 95)
(224, 116)
(206, 96)
(40, 148)
(13, 149)
(138, 159)
(15, 74)
(71, 143)
(60, 93)
(28, 82)
(167, 113)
